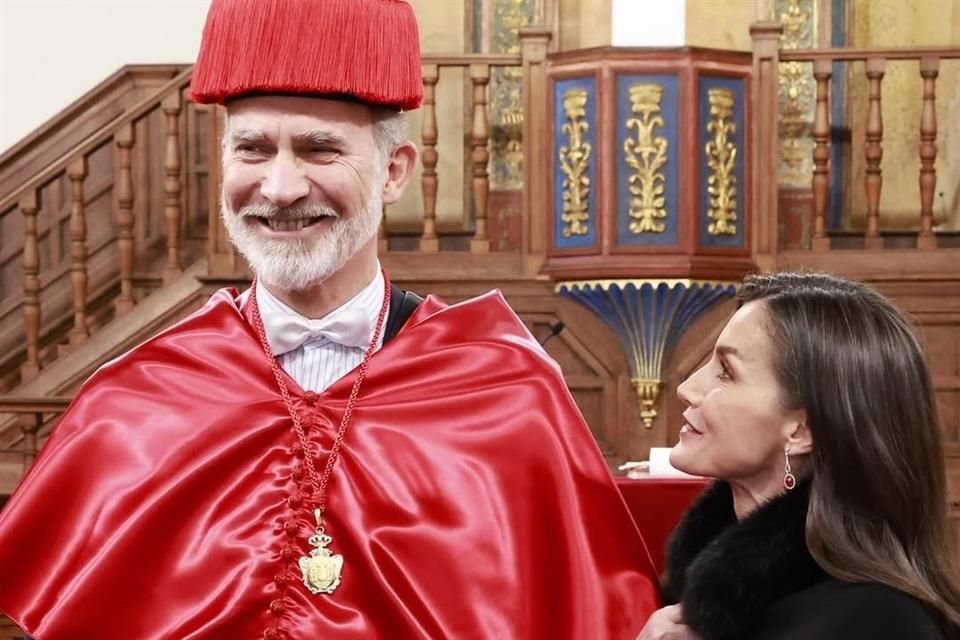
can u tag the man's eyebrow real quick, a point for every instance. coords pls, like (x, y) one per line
(319, 138)
(247, 136)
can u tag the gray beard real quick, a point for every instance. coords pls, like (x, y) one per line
(296, 265)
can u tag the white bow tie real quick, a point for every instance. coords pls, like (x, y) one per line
(350, 327)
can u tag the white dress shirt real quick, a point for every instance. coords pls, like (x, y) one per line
(319, 361)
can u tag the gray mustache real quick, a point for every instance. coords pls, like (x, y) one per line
(287, 213)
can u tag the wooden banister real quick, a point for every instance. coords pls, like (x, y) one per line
(480, 155)
(873, 152)
(929, 69)
(171, 106)
(852, 54)
(124, 142)
(78, 250)
(102, 136)
(467, 59)
(31, 414)
(822, 72)
(429, 243)
(31, 285)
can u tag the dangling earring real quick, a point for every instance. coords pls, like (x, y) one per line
(789, 480)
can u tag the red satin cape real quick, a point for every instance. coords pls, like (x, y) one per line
(469, 500)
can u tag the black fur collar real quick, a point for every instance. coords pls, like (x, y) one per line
(728, 573)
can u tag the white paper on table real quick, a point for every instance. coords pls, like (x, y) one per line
(660, 464)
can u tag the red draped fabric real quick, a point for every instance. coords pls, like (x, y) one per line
(469, 499)
(657, 504)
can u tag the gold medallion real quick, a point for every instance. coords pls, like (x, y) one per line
(321, 569)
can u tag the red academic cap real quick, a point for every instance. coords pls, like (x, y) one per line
(365, 49)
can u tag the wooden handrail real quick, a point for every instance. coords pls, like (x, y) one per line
(49, 404)
(107, 131)
(465, 60)
(101, 137)
(848, 55)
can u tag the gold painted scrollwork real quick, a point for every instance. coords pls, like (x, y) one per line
(574, 161)
(796, 92)
(722, 161)
(506, 104)
(646, 155)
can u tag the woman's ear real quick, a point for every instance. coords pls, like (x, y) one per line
(799, 437)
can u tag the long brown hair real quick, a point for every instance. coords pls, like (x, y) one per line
(878, 504)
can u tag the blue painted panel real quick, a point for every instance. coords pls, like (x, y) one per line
(669, 131)
(561, 139)
(648, 317)
(738, 137)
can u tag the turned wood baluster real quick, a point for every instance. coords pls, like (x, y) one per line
(822, 70)
(479, 139)
(54, 202)
(172, 210)
(929, 69)
(429, 243)
(874, 153)
(124, 142)
(31, 286)
(77, 171)
(30, 424)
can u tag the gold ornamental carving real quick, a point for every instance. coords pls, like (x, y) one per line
(646, 155)
(574, 162)
(506, 103)
(648, 392)
(796, 88)
(722, 162)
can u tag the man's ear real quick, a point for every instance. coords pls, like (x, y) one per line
(400, 166)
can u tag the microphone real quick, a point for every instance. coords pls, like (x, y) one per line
(555, 329)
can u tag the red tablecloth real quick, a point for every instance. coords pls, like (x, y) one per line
(657, 505)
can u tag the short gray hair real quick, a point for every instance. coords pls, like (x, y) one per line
(389, 132)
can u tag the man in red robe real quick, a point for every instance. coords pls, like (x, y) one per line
(323, 456)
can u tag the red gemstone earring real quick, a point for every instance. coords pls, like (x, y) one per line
(789, 480)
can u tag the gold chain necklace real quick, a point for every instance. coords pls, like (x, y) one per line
(322, 568)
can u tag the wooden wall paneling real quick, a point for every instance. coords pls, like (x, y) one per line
(197, 162)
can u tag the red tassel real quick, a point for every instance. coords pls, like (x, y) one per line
(368, 49)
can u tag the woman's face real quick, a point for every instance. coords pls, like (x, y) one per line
(735, 427)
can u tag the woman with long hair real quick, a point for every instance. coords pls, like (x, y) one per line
(816, 415)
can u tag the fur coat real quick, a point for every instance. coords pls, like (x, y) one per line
(754, 579)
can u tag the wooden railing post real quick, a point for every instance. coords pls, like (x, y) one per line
(534, 42)
(874, 152)
(30, 424)
(480, 155)
(929, 69)
(172, 105)
(429, 243)
(822, 71)
(124, 141)
(766, 58)
(77, 171)
(31, 286)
